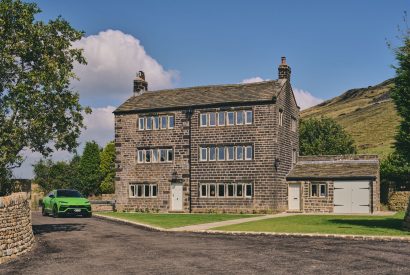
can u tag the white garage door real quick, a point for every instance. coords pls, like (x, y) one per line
(352, 197)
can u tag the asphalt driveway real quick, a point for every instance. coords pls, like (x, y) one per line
(92, 246)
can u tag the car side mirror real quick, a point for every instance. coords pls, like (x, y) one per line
(51, 196)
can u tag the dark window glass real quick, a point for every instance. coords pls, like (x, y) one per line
(231, 118)
(146, 190)
(239, 117)
(239, 153)
(170, 155)
(239, 190)
(230, 190)
(163, 155)
(221, 118)
(132, 188)
(171, 122)
(221, 153)
(248, 153)
(212, 119)
(204, 120)
(248, 190)
(314, 191)
(148, 156)
(66, 193)
(221, 190)
(203, 190)
(139, 189)
(323, 190)
(212, 190)
(249, 116)
(149, 123)
(141, 123)
(154, 190)
(212, 153)
(164, 122)
(231, 153)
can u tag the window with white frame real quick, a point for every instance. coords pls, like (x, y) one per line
(280, 118)
(155, 155)
(230, 153)
(239, 117)
(162, 122)
(212, 153)
(141, 123)
(212, 119)
(204, 120)
(226, 190)
(221, 153)
(221, 118)
(318, 189)
(248, 117)
(248, 152)
(293, 124)
(143, 190)
(230, 117)
(239, 153)
(203, 153)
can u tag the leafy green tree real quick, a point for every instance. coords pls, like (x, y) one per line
(50, 175)
(324, 136)
(38, 111)
(107, 167)
(89, 169)
(401, 95)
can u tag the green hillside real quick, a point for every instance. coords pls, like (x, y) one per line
(368, 114)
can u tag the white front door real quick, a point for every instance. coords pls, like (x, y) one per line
(294, 196)
(352, 197)
(176, 200)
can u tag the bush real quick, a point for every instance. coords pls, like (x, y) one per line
(398, 201)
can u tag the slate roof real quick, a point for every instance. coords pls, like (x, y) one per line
(365, 168)
(203, 96)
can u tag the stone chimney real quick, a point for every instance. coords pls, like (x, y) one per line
(284, 70)
(140, 85)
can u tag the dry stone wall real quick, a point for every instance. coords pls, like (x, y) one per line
(398, 200)
(16, 234)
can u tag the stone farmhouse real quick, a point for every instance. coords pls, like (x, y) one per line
(230, 148)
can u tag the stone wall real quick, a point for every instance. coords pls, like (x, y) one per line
(406, 224)
(16, 234)
(398, 200)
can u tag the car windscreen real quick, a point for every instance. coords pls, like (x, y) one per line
(68, 194)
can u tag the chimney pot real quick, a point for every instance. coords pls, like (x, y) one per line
(140, 85)
(284, 70)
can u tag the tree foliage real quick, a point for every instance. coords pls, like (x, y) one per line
(324, 136)
(38, 109)
(89, 169)
(401, 95)
(107, 167)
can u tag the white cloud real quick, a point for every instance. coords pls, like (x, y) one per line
(100, 127)
(305, 99)
(113, 59)
(253, 80)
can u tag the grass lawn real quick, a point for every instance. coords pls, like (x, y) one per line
(174, 220)
(327, 224)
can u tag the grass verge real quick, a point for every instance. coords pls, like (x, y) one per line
(174, 220)
(327, 224)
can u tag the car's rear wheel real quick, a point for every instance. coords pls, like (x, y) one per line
(43, 210)
(55, 211)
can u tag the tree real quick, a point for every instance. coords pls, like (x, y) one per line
(50, 175)
(89, 169)
(107, 167)
(324, 136)
(38, 109)
(401, 95)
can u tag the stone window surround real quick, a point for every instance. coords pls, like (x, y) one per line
(235, 152)
(170, 117)
(280, 117)
(166, 149)
(151, 188)
(319, 184)
(207, 115)
(225, 185)
(293, 124)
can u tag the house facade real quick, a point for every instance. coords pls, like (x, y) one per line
(222, 148)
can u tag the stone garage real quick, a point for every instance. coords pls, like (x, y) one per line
(334, 184)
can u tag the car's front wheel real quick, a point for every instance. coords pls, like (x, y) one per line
(55, 211)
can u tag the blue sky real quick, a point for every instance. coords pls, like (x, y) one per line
(331, 47)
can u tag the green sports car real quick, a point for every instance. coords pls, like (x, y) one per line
(64, 202)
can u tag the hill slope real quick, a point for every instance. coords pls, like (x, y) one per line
(368, 114)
